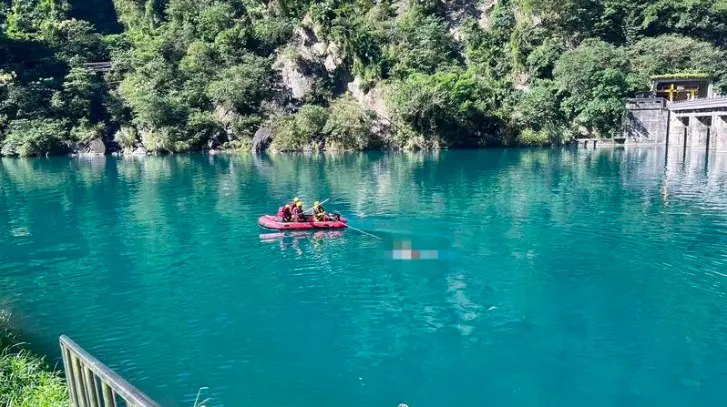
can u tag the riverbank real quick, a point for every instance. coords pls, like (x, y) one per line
(26, 380)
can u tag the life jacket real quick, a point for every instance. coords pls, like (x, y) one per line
(296, 213)
(281, 212)
(319, 212)
(287, 215)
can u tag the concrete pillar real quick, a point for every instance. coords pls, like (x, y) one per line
(719, 133)
(699, 131)
(676, 130)
(719, 167)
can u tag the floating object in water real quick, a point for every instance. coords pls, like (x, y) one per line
(270, 222)
(20, 232)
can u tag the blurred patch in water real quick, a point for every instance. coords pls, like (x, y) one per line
(405, 250)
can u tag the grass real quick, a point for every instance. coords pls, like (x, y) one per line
(25, 379)
(682, 75)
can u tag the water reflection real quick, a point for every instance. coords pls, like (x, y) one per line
(570, 270)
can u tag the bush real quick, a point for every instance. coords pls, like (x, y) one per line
(303, 131)
(541, 61)
(84, 131)
(287, 136)
(270, 33)
(126, 137)
(165, 140)
(349, 127)
(35, 137)
(530, 137)
(311, 120)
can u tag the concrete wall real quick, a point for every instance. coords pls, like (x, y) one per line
(646, 121)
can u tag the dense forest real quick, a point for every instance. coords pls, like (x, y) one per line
(337, 74)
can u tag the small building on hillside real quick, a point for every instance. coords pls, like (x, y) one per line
(681, 110)
(681, 87)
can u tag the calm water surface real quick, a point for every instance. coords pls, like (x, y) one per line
(566, 278)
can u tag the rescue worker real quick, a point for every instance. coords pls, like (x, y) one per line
(297, 212)
(287, 214)
(319, 213)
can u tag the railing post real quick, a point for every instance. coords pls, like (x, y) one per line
(108, 396)
(66, 356)
(91, 391)
(82, 400)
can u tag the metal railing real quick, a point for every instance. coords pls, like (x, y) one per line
(93, 384)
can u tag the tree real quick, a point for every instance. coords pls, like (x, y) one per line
(668, 54)
(33, 137)
(539, 109)
(76, 41)
(299, 132)
(593, 79)
(421, 43)
(349, 127)
(704, 19)
(242, 87)
(457, 104)
(80, 90)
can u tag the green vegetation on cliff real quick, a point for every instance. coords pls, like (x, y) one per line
(196, 74)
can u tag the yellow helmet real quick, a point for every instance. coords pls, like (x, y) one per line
(296, 200)
(300, 204)
(287, 206)
(316, 203)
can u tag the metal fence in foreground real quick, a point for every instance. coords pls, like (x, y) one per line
(92, 384)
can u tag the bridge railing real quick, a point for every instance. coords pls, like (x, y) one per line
(92, 384)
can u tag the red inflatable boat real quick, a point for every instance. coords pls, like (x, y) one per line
(271, 222)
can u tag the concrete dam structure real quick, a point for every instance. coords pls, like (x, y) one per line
(678, 112)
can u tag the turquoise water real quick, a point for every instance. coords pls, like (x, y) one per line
(565, 278)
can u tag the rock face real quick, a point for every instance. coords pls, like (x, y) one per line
(291, 72)
(262, 139)
(97, 147)
(372, 99)
(140, 151)
(305, 59)
(94, 147)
